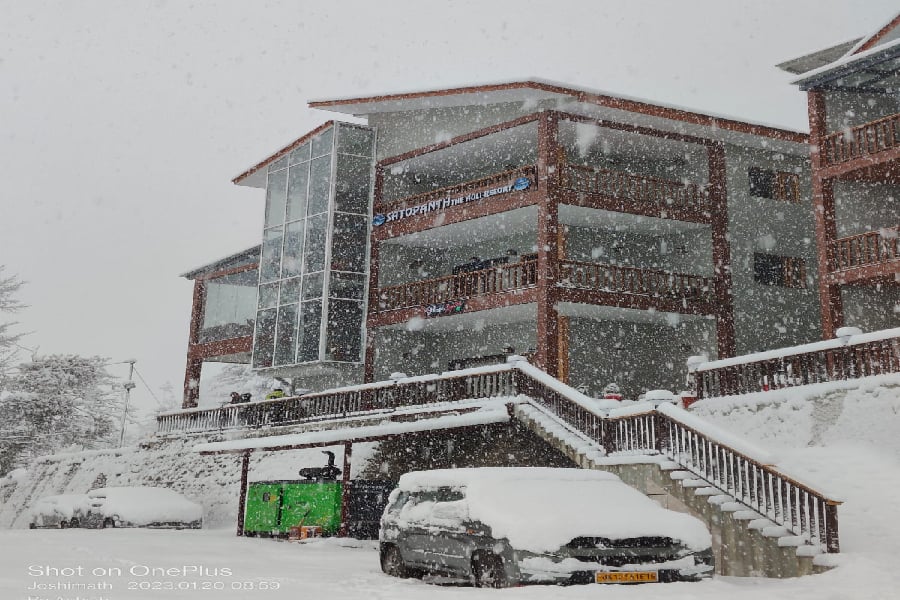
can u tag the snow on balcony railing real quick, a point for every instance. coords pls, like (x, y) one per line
(493, 280)
(864, 140)
(846, 357)
(870, 248)
(662, 193)
(634, 280)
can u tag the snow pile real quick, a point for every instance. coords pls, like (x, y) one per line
(862, 411)
(141, 505)
(539, 509)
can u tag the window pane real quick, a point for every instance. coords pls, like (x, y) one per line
(270, 261)
(287, 335)
(278, 164)
(275, 197)
(347, 285)
(320, 185)
(290, 291)
(312, 285)
(229, 308)
(321, 144)
(351, 189)
(268, 295)
(310, 322)
(314, 254)
(293, 250)
(355, 140)
(762, 183)
(300, 154)
(264, 339)
(348, 243)
(344, 330)
(296, 193)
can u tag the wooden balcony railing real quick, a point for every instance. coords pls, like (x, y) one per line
(529, 171)
(661, 193)
(870, 248)
(500, 278)
(862, 355)
(340, 403)
(867, 139)
(632, 280)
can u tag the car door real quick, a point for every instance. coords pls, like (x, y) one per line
(449, 545)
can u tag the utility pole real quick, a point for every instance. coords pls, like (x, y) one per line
(128, 385)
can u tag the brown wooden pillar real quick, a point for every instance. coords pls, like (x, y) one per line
(372, 301)
(830, 303)
(345, 490)
(547, 351)
(718, 195)
(242, 500)
(194, 362)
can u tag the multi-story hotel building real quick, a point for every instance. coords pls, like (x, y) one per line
(854, 120)
(605, 238)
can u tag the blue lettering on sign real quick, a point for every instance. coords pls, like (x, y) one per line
(522, 183)
(378, 219)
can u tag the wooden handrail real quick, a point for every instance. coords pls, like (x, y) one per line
(870, 248)
(837, 363)
(640, 188)
(496, 279)
(784, 500)
(866, 139)
(635, 280)
(457, 189)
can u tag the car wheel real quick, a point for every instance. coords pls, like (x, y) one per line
(488, 571)
(392, 563)
(108, 522)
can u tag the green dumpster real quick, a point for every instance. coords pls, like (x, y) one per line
(273, 507)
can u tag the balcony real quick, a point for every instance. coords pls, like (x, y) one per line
(866, 249)
(636, 281)
(653, 194)
(868, 140)
(460, 286)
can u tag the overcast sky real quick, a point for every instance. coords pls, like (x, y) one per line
(123, 123)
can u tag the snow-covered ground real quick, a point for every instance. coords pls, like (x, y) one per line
(870, 533)
(844, 439)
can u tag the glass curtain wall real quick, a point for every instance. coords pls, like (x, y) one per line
(313, 263)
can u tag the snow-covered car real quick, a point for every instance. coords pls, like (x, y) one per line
(141, 506)
(498, 527)
(61, 511)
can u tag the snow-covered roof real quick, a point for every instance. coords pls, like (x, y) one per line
(490, 411)
(247, 257)
(535, 90)
(865, 54)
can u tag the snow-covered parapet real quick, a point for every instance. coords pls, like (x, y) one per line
(847, 340)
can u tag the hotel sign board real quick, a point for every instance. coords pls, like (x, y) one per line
(520, 184)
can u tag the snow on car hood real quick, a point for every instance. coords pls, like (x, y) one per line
(145, 505)
(540, 510)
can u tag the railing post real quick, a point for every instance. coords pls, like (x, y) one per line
(832, 541)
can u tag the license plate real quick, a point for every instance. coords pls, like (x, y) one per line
(627, 577)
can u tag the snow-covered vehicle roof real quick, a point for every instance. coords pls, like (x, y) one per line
(141, 505)
(61, 505)
(541, 509)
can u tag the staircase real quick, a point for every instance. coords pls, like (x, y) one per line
(765, 522)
